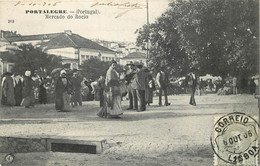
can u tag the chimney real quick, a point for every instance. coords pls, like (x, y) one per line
(68, 32)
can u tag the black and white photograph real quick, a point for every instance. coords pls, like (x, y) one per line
(129, 83)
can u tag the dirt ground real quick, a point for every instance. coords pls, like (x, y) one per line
(175, 135)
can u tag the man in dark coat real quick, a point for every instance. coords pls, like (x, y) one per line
(191, 80)
(162, 82)
(252, 86)
(76, 84)
(100, 89)
(133, 101)
(139, 84)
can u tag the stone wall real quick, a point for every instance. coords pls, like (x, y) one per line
(22, 145)
(26, 145)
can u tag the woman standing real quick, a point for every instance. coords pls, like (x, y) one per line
(18, 90)
(62, 90)
(8, 89)
(42, 91)
(112, 94)
(28, 94)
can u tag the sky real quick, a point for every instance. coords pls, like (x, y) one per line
(103, 26)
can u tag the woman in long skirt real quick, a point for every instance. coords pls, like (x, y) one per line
(28, 94)
(42, 91)
(62, 89)
(18, 90)
(8, 90)
(112, 94)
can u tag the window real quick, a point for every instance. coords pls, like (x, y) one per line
(10, 67)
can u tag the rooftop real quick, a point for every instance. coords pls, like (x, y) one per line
(32, 37)
(135, 55)
(73, 40)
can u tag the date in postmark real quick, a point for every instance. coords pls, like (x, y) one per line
(235, 140)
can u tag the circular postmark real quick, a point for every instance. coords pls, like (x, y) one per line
(235, 138)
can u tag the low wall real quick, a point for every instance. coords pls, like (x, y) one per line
(22, 145)
(26, 145)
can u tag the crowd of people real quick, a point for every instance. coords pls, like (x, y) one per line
(138, 83)
(25, 90)
(29, 89)
(18, 90)
(70, 89)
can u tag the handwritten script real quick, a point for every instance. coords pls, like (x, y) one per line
(26, 3)
(126, 6)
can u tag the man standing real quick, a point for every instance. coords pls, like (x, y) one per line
(191, 79)
(94, 89)
(133, 102)
(139, 84)
(100, 88)
(234, 85)
(162, 82)
(76, 85)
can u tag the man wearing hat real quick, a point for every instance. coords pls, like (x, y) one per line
(192, 81)
(162, 82)
(133, 102)
(76, 86)
(139, 84)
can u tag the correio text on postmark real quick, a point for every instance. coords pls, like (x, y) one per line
(235, 139)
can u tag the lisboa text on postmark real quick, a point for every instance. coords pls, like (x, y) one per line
(235, 139)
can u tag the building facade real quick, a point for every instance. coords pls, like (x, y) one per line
(134, 57)
(73, 48)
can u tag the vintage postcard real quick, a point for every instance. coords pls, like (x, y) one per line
(129, 82)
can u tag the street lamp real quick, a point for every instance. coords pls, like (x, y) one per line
(148, 28)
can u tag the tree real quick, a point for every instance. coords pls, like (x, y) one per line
(93, 68)
(33, 59)
(217, 37)
(164, 50)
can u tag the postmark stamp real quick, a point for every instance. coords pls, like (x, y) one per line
(235, 140)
